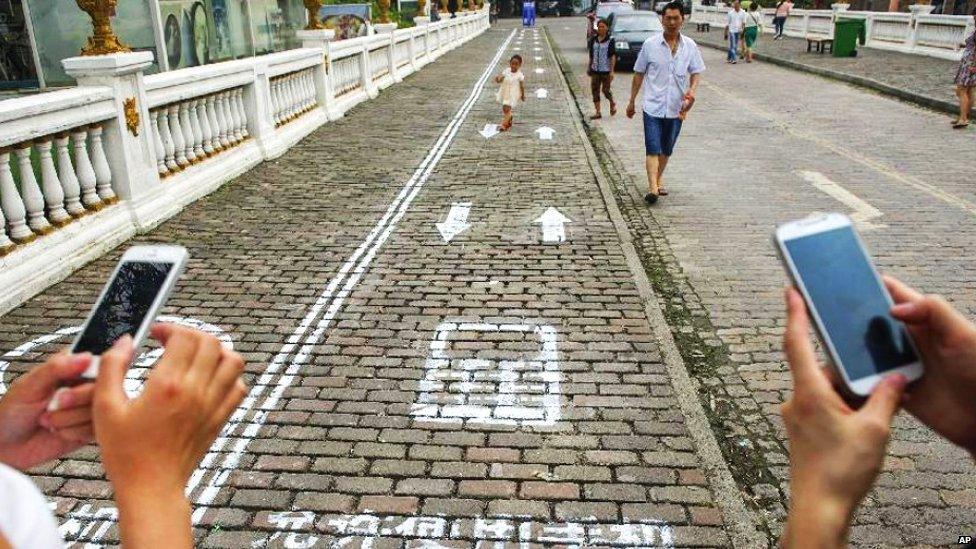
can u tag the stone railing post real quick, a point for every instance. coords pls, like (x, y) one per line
(127, 137)
(325, 96)
(389, 30)
(366, 67)
(258, 103)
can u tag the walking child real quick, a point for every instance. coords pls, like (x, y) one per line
(511, 92)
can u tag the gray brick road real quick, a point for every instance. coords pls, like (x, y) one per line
(490, 389)
(739, 170)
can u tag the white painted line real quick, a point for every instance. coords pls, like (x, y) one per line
(208, 479)
(456, 222)
(541, 93)
(553, 225)
(489, 392)
(545, 133)
(349, 530)
(540, 70)
(489, 131)
(863, 212)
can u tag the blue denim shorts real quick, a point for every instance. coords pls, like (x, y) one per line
(660, 134)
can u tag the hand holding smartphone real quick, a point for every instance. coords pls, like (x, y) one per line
(131, 299)
(848, 302)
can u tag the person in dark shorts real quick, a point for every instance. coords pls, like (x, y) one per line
(668, 68)
(603, 60)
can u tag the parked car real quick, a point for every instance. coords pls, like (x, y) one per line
(547, 8)
(630, 30)
(606, 10)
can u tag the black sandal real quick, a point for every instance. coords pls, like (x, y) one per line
(662, 192)
(650, 198)
(960, 125)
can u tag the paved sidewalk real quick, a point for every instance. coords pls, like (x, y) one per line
(923, 80)
(498, 387)
(746, 162)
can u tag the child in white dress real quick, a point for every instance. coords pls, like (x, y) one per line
(512, 90)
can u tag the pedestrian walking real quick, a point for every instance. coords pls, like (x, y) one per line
(783, 9)
(966, 80)
(435, 14)
(668, 69)
(752, 29)
(511, 91)
(603, 61)
(735, 22)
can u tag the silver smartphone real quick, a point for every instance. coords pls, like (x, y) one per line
(131, 299)
(848, 302)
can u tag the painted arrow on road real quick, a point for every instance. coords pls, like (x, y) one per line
(541, 93)
(553, 225)
(545, 133)
(456, 222)
(489, 131)
(864, 215)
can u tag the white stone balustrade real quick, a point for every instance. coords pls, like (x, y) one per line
(292, 95)
(155, 143)
(51, 180)
(191, 131)
(914, 33)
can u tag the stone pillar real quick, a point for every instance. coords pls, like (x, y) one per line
(320, 39)
(127, 139)
(384, 28)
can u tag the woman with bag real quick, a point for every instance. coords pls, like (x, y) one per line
(966, 80)
(783, 9)
(753, 26)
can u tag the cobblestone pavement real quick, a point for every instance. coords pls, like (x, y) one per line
(742, 166)
(928, 77)
(493, 388)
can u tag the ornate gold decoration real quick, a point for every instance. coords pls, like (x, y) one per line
(421, 7)
(313, 7)
(131, 115)
(444, 6)
(384, 11)
(472, 6)
(103, 40)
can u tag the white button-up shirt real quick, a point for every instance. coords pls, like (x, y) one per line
(666, 75)
(737, 20)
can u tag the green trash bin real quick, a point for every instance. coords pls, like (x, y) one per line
(847, 33)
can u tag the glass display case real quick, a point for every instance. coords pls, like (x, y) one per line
(60, 31)
(16, 56)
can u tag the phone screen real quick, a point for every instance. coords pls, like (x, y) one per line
(124, 306)
(852, 306)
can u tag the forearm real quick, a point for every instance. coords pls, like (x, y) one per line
(693, 85)
(815, 523)
(635, 85)
(149, 519)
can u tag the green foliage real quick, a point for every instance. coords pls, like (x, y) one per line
(401, 19)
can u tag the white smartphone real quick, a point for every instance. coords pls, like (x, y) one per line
(848, 302)
(130, 300)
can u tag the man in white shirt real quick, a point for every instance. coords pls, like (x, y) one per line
(736, 21)
(668, 68)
